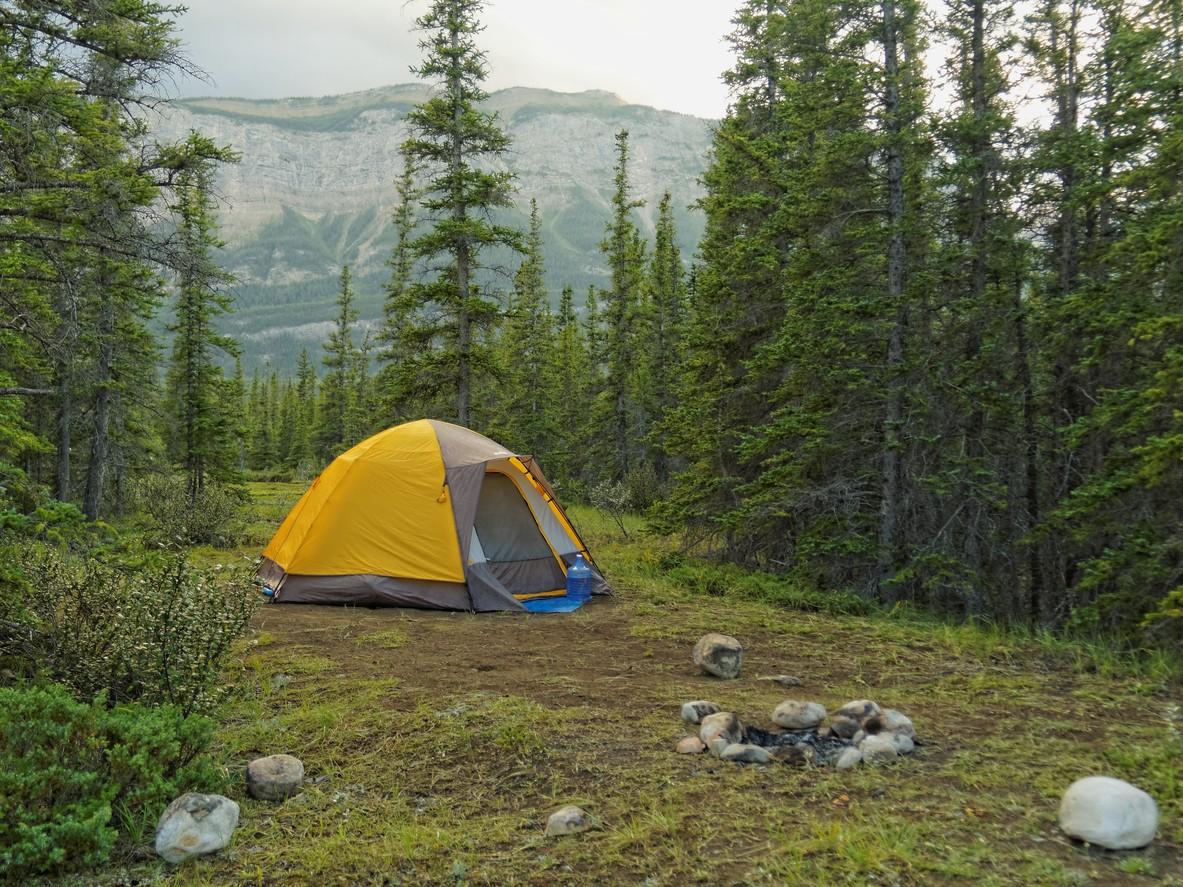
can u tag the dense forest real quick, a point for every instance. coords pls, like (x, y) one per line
(929, 350)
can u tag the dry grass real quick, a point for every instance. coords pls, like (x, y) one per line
(436, 745)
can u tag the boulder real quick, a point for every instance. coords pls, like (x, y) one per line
(694, 712)
(892, 721)
(743, 753)
(719, 654)
(878, 748)
(691, 745)
(195, 825)
(849, 758)
(1108, 812)
(720, 730)
(274, 777)
(795, 715)
(569, 820)
(849, 719)
(902, 741)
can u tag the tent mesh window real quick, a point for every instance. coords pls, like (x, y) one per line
(514, 547)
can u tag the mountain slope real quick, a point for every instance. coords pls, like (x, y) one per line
(314, 190)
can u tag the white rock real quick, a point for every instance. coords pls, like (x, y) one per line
(1108, 812)
(795, 715)
(694, 712)
(850, 757)
(878, 748)
(691, 745)
(274, 777)
(849, 719)
(746, 754)
(194, 825)
(720, 730)
(902, 741)
(858, 737)
(894, 721)
(569, 820)
(719, 654)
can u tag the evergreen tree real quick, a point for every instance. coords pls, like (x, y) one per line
(445, 337)
(397, 394)
(201, 424)
(333, 432)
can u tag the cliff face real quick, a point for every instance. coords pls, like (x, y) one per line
(315, 189)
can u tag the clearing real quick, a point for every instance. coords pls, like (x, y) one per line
(436, 745)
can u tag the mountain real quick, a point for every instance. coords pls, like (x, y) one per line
(315, 190)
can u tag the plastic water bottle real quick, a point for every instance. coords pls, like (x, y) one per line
(579, 580)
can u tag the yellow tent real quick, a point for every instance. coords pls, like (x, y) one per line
(425, 514)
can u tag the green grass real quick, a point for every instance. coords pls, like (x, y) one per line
(437, 745)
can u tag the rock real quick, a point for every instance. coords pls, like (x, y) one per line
(858, 737)
(720, 730)
(746, 754)
(719, 654)
(849, 719)
(279, 681)
(794, 715)
(902, 741)
(569, 820)
(878, 748)
(785, 680)
(794, 755)
(849, 758)
(1108, 812)
(694, 712)
(890, 721)
(274, 777)
(691, 745)
(194, 825)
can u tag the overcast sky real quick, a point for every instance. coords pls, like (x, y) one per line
(665, 53)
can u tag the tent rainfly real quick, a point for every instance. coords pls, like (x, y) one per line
(425, 514)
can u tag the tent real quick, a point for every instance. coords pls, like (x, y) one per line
(425, 514)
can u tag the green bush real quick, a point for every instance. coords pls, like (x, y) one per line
(724, 580)
(213, 517)
(75, 777)
(154, 632)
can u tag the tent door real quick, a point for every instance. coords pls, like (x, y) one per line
(511, 541)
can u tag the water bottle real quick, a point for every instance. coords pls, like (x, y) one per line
(579, 580)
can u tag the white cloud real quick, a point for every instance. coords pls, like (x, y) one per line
(666, 53)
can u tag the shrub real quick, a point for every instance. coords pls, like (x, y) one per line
(76, 777)
(154, 632)
(213, 517)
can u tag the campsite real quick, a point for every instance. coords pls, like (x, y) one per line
(502, 442)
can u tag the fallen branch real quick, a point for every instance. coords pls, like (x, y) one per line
(23, 392)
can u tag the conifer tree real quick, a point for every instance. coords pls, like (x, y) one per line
(665, 320)
(340, 361)
(201, 430)
(453, 142)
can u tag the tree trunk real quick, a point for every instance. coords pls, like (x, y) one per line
(889, 524)
(96, 470)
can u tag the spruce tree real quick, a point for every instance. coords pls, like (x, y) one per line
(453, 142)
(333, 433)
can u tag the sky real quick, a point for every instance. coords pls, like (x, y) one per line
(665, 53)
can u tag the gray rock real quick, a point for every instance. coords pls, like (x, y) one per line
(849, 719)
(569, 820)
(691, 745)
(274, 777)
(849, 758)
(894, 721)
(746, 754)
(878, 748)
(195, 825)
(1108, 812)
(902, 741)
(858, 737)
(720, 730)
(719, 654)
(795, 715)
(694, 712)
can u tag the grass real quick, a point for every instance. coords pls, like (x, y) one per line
(436, 745)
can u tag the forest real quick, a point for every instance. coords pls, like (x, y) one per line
(927, 357)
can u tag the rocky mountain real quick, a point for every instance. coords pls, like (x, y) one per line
(314, 190)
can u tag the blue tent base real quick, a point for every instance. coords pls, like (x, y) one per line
(553, 605)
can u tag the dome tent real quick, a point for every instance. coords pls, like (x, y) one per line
(425, 514)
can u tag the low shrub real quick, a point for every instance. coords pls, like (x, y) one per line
(76, 778)
(724, 580)
(156, 631)
(214, 516)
